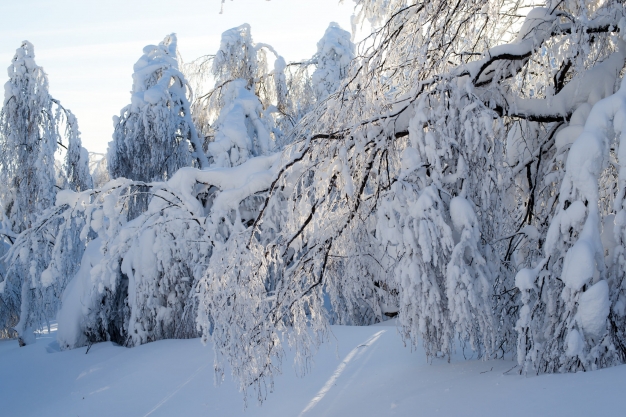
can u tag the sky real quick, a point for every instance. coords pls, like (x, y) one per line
(88, 48)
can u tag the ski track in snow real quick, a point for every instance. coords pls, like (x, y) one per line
(171, 394)
(342, 366)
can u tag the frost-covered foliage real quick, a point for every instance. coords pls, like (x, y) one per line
(335, 52)
(154, 136)
(240, 131)
(136, 280)
(446, 160)
(239, 58)
(580, 308)
(133, 281)
(247, 100)
(248, 94)
(32, 127)
(239, 67)
(463, 173)
(98, 169)
(77, 158)
(123, 268)
(300, 86)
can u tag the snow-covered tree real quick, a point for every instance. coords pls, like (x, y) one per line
(301, 85)
(239, 58)
(31, 132)
(29, 141)
(245, 95)
(154, 136)
(240, 131)
(457, 130)
(136, 281)
(76, 158)
(335, 52)
(98, 169)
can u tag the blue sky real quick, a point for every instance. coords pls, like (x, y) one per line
(88, 48)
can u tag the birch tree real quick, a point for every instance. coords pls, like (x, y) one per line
(33, 127)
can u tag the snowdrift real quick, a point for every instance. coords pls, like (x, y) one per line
(366, 371)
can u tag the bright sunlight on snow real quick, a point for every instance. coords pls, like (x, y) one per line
(304, 208)
(365, 371)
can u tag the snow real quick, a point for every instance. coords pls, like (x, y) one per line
(74, 305)
(525, 279)
(575, 344)
(573, 216)
(66, 197)
(237, 182)
(579, 266)
(569, 134)
(47, 278)
(368, 372)
(516, 148)
(155, 58)
(335, 51)
(462, 213)
(235, 122)
(251, 247)
(530, 231)
(593, 309)
(410, 160)
(535, 18)
(608, 238)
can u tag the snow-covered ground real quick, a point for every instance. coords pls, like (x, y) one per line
(366, 371)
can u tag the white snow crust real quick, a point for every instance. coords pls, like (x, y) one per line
(579, 266)
(593, 309)
(366, 372)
